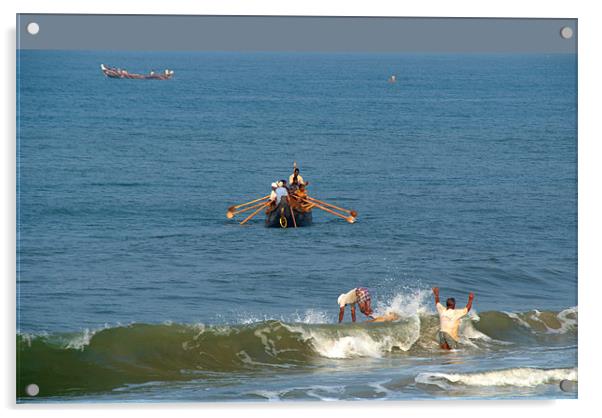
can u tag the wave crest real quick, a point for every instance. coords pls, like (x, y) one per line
(139, 353)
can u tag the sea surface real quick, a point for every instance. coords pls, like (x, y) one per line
(132, 285)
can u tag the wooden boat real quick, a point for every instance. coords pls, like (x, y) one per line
(293, 211)
(280, 216)
(119, 73)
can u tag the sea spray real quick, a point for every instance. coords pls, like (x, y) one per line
(410, 302)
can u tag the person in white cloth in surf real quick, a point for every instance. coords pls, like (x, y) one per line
(449, 319)
(359, 295)
(362, 297)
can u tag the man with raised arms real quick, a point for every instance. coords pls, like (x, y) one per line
(449, 318)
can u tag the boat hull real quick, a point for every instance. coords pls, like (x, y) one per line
(280, 217)
(116, 73)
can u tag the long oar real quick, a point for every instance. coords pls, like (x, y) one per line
(254, 213)
(351, 212)
(230, 214)
(292, 214)
(233, 208)
(349, 219)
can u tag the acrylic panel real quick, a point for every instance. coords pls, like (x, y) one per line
(167, 251)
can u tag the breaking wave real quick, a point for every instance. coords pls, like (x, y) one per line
(111, 357)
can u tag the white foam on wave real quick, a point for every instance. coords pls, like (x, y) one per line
(357, 342)
(567, 319)
(324, 393)
(29, 337)
(380, 388)
(468, 332)
(309, 316)
(320, 392)
(566, 323)
(269, 345)
(199, 328)
(374, 342)
(74, 341)
(270, 395)
(520, 377)
(81, 340)
(518, 319)
(358, 345)
(244, 357)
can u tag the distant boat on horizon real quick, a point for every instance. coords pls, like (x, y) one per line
(112, 72)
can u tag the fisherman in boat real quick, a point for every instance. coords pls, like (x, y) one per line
(359, 295)
(301, 192)
(295, 179)
(273, 193)
(298, 197)
(281, 191)
(449, 318)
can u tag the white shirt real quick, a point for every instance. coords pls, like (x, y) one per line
(280, 193)
(348, 298)
(299, 179)
(450, 319)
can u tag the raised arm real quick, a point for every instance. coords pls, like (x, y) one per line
(436, 293)
(470, 298)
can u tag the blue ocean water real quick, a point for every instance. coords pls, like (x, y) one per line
(463, 173)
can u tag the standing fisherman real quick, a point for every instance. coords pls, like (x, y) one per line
(295, 179)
